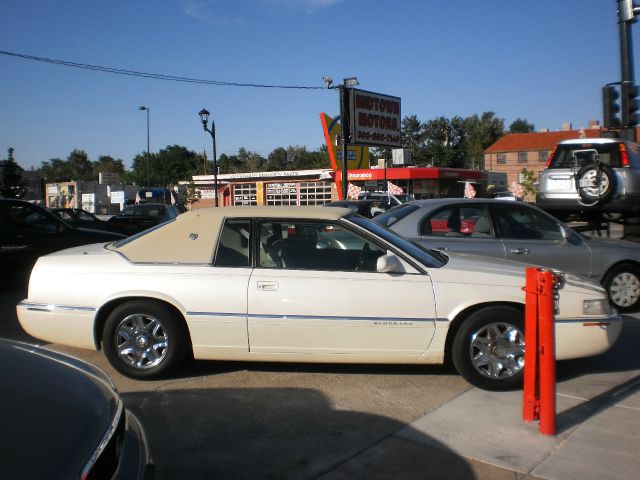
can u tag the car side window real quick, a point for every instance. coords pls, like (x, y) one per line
(234, 244)
(519, 222)
(458, 221)
(308, 245)
(28, 218)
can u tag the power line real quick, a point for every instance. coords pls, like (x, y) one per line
(154, 76)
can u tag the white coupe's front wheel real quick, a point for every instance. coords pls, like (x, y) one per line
(143, 339)
(488, 349)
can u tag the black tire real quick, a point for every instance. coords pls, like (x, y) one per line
(488, 349)
(143, 339)
(622, 284)
(602, 181)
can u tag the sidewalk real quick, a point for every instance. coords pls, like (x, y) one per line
(480, 435)
(598, 430)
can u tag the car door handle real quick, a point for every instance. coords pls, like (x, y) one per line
(268, 286)
(519, 251)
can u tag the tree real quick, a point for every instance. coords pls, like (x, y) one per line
(528, 181)
(80, 166)
(191, 194)
(12, 184)
(482, 132)
(412, 135)
(444, 141)
(56, 170)
(168, 166)
(108, 164)
(277, 160)
(520, 125)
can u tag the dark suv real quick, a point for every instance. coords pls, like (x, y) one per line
(598, 175)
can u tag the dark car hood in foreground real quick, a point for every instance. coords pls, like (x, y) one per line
(54, 412)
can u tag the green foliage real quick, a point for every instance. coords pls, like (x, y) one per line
(520, 125)
(191, 194)
(528, 181)
(481, 132)
(12, 184)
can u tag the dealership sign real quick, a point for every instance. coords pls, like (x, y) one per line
(375, 119)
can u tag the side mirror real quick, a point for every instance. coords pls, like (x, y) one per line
(389, 263)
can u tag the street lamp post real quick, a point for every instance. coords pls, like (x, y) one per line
(204, 117)
(148, 159)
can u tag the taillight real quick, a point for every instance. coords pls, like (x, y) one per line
(624, 157)
(551, 156)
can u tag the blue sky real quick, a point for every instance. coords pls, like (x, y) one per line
(543, 60)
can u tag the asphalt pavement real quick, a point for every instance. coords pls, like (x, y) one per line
(345, 422)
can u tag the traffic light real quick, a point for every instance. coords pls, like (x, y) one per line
(610, 107)
(630, 104)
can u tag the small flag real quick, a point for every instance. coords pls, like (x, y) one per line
(517, 189)
(353, 191)
(394, 189)
(469, 191)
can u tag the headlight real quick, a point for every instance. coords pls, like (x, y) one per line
(596, 307)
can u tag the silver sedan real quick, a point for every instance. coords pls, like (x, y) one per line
(521, 232)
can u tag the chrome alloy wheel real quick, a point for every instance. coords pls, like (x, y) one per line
(497, 350)
(141, 341)
(595, 189)
(624, 289)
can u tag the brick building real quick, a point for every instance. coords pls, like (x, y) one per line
(517, 151)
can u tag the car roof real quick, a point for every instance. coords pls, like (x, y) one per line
(580, 141)
(191, 237)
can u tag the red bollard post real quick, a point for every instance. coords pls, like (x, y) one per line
(547, 348)
(530, 400)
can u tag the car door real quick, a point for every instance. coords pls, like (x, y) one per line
(532, 236)
(316, 291)
(461, 228)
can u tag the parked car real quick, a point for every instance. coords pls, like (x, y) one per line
(63, 418)
(260, 284)
(367, 208)
(28, 231)
(394, 200)
(78, 217)
(521, 232)
(505, 196)
(136, 218)
(599, 175)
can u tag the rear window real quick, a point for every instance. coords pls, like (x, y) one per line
(579, 155)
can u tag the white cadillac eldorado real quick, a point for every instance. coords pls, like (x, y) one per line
(298, 284)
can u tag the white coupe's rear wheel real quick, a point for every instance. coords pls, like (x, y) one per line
(143, 339)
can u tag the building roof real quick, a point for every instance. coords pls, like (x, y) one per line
(519, 142)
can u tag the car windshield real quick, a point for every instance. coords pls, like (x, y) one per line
(392, 216)
(429, 258)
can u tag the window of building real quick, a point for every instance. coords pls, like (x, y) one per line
(245, 194)
(281, 193)
(502, 158)
(543, 155)
(522, 157)
(315, 193)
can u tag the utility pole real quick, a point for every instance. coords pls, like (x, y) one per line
(628, 103)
